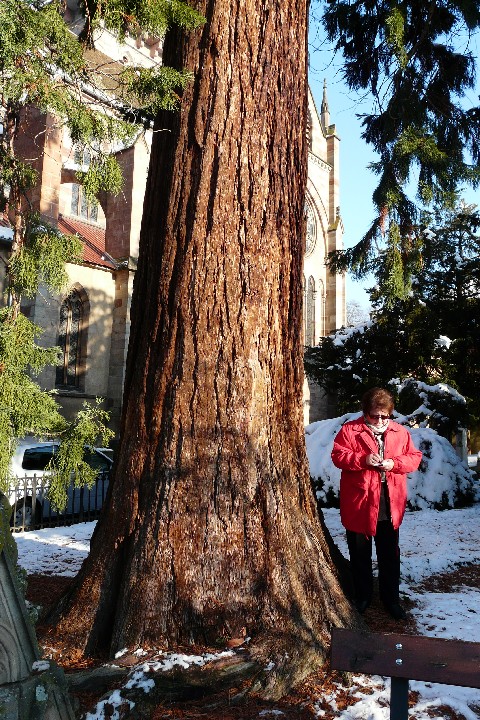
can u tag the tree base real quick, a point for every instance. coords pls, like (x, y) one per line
(240, 676)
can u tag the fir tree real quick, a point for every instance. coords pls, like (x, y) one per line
(415, 60)
(431, 337)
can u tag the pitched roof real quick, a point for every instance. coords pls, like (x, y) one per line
(93, 238)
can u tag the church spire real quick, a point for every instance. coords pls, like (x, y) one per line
(324, 110)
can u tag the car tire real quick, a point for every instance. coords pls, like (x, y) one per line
(31, 519)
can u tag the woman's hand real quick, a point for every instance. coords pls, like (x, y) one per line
(374, 460)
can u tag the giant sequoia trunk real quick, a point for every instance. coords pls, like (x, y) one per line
(211, 529)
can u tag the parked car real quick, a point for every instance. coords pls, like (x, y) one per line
(29, 491)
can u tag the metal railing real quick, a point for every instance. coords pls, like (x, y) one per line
(32, 509)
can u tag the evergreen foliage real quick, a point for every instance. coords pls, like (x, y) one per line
(44, 66)
(155, 88)
(134, 16)
(88, 429)
(426, 346)
(24, 407)
(414, 58)
(41, 257)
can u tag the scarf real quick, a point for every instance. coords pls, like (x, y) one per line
(378, 434)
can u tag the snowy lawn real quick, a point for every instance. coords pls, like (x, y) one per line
(432, 542)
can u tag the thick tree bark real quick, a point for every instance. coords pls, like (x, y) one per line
(211, 529)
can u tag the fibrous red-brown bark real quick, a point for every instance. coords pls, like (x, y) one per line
(211, 529)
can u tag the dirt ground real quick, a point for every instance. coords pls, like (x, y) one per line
(303, 703)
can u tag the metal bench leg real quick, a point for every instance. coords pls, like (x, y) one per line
(399, 699)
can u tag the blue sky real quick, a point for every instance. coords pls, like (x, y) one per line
(357, 182)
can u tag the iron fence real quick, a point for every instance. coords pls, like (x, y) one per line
(32, 509)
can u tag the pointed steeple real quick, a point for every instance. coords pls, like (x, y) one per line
(324, 110)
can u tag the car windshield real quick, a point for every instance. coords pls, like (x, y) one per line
(37, 458)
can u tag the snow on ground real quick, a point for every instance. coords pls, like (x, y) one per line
(54, 551)
(432, 542)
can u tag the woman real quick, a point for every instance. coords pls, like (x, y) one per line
(374, 454)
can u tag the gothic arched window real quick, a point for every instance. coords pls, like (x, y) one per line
(304, 310)
(72, 340)
(310, 313)
(311, 229)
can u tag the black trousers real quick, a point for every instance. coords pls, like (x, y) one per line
(388, 558)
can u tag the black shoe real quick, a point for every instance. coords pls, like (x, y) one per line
(396, 611)
(362, 605)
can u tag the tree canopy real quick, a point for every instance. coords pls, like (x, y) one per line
(415, 60)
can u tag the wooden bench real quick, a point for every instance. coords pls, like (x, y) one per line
(404, 658)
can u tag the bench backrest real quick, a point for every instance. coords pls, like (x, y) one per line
(452, 662)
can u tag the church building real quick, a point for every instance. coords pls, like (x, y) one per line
(324, 302)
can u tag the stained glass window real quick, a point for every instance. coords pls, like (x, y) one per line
(310, 313)
(69, 339)
(311, 234)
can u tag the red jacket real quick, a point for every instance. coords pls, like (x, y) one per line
(360, 485)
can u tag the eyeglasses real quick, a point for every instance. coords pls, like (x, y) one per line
(379, 417)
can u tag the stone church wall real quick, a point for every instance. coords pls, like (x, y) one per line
(99, 288)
